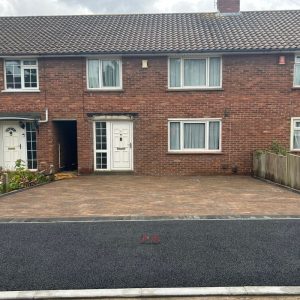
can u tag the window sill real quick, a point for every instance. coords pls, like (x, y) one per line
(20, 91)
(104, 90)
(195, 89)
(196, 152)
(296, 88)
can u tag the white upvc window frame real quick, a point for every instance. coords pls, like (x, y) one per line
(297, 63)
(293, 128)
(204, 87)
(101, 87)
(108, 146)
(23, 88)
(196, 121)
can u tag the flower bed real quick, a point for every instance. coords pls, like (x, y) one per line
(21, 178)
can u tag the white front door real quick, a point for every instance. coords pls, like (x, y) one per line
(14, 144)
(121, 146)
(113, 145)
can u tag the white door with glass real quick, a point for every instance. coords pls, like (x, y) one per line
(14, 144)
(113, 146)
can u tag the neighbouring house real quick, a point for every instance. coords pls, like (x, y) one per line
(155, 94)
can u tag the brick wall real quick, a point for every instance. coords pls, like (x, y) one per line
(257, 93)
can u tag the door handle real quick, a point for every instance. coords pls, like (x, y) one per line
(20, 146)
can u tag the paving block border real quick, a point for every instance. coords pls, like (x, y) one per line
(154, 292)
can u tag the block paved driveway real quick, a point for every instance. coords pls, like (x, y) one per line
(97, 196)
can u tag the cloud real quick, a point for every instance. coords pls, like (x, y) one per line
(38, 7)
(269, 5)
(69, 7)
(140, 6)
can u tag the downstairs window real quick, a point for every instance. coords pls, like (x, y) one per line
(295, 141)
(199, 135)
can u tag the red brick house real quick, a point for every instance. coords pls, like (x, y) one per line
(155, 94)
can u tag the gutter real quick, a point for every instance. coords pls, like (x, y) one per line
(154, 53)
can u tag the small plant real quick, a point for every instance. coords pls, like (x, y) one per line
(22, 178)
(258, 153)
(278, 149)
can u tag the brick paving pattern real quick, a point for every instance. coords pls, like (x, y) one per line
(92, 196)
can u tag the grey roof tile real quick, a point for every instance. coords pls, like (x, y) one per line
(150, 33)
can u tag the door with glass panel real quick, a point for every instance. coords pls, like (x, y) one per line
(14, 144)
(113, 146)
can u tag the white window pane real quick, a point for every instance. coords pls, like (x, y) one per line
(101, 136)
(297, 59)
(175, 71)
(195, 72)
(214, 135)
(29, 62)
(194, 136)
(297, 124)
(13, 74)
(101, 161)
(30, 78)
(297, 139)
(215, 71)
(297, 74)
(93, 74)
(111, 73)
(175, 135)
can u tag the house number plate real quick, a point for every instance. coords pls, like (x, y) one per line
(12, 148)
(121, 148)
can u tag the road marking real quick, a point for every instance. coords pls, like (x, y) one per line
(154, 292)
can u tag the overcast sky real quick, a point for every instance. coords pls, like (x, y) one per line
(59, 7)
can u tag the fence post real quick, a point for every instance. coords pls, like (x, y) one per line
(5, 182)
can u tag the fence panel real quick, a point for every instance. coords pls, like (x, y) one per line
(280, 169)
(294, 171)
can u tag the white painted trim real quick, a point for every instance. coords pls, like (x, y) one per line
(153, 292)
(20, 90)
(195, 151)
(293, 120)
(199, 56)
(294, 75)
(101, 88)
(110, 118)
(23, 89)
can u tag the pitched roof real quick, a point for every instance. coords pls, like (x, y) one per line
(150, 33)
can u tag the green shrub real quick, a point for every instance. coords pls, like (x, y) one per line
(22, 178)
(275, 148)
(278, 149)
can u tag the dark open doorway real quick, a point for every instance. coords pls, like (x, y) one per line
(66, 145)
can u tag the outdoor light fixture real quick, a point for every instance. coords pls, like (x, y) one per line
(281, 60)
(22, 124)
(145, 64)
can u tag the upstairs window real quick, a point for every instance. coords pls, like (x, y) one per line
(295, 142)
(21, 74)
(104, 74)
(191, 73)
(297, 71)
(194, 135)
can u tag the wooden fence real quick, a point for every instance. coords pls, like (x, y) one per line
(280, 169)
